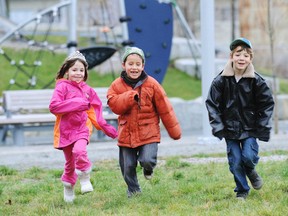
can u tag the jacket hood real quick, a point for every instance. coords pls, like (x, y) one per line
(229, 71)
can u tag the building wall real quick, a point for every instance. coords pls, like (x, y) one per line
(22, 10)
(254, 24)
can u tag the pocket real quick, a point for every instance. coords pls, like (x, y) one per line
(76, 119)
(255, 149)
(233, 128)
(146, 121)
(249, 119)
(148, 128)
(123, 136)
(229, 155)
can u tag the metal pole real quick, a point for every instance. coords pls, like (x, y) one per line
(186, 26)
(3, 8)
(208, 56)
(233, 14)
(124, 24)
(72, 18)
(18, 27)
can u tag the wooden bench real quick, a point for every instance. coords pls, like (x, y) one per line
(28, 110)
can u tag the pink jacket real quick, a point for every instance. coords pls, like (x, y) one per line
(76, 106)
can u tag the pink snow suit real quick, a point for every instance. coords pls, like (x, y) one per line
(76, 106)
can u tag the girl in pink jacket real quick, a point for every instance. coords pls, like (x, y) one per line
(76, 107)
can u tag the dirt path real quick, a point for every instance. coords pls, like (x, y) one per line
(44, 156)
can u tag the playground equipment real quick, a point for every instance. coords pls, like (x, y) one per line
(32, 44)
(24, 75)
(149, 25)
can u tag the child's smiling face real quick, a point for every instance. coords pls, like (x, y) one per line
(76, 72)
(133, 66)
(240, 58)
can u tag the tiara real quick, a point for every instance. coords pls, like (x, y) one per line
(76, 55)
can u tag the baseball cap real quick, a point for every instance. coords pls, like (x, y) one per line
(133, 50)
(240, 41)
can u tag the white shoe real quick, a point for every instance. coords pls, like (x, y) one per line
(85, 182)
(69, 195)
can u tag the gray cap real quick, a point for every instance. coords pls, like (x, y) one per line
(133, 50)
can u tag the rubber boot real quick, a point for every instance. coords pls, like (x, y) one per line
(69, 195)
(84, 178)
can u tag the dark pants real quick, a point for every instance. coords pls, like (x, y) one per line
(128, 159)
(242, 158)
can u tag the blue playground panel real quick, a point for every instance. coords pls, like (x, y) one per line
(151, 29)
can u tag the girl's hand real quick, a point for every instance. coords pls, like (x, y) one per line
(111, 132)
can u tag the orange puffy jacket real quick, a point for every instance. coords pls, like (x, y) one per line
(140, 111)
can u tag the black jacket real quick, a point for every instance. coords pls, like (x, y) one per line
(238, 110)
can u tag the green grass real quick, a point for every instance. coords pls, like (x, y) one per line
(178, 84)
(177, 188)
(284, 86)
(44, 74)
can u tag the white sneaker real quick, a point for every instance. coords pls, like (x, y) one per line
(85, 183)
(69, 195)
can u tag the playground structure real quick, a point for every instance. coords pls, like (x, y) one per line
(32, 39)
(146, 24)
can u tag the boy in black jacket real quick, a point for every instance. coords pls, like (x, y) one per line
(240, 106)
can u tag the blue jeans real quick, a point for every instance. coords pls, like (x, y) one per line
(242, 157)
(128, 159)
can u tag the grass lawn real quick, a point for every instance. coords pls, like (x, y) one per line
(177, 188)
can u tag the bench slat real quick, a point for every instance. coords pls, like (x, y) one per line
(28, 119)
(40, 118)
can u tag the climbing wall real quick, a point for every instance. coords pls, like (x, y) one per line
(150, 27)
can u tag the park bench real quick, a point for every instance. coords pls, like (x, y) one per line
(28, 110)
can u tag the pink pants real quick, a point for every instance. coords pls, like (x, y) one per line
(76, 158)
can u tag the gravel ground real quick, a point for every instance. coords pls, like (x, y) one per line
(45, 156)
(224, 159)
